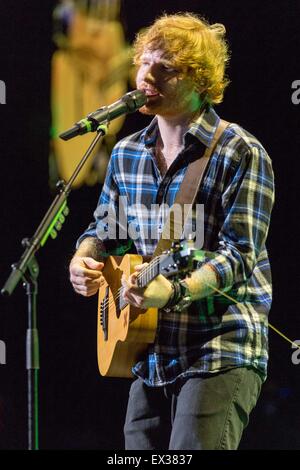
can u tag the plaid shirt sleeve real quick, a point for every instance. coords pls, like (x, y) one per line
(247, 202)
(107, 223)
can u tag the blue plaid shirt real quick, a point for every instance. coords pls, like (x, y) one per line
(213, 334)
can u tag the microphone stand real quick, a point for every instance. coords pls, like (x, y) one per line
(27, 269)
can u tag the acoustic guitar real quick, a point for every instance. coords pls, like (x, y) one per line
(123, 331)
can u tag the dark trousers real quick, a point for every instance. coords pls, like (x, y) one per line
(203, 413)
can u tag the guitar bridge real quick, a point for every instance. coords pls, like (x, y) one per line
(104, 307)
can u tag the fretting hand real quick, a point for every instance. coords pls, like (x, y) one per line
(156, 294)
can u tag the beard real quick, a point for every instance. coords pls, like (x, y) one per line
(148, 112)
(152, 106)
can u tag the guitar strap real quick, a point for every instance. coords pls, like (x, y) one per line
(186, 195)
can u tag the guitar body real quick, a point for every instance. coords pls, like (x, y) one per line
(127, 331)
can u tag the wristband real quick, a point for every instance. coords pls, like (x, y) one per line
(174, 296)
(180, 298)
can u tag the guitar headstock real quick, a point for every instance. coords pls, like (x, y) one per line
(183, 257)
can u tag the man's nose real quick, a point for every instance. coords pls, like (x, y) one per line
(149, 76)
(151, 73)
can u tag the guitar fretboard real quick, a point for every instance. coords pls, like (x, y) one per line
(149, 272)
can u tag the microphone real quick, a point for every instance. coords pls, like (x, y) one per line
(129, 103)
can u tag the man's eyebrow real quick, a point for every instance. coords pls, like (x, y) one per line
(164, 62)
(161, 60)
(167, 62)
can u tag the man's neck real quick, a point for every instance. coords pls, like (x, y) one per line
(172, 131)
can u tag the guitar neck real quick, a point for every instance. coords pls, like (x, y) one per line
(151, 271)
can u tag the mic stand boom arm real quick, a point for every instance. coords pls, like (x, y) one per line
(27, 269)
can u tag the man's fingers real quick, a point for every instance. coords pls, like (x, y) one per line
(132, 279)
(91, 263)
(79, 281)
(86, 266)
(139, 267)
(85, 291)
(80, 271)
(86, 275)
(127, 283)
(133, 299)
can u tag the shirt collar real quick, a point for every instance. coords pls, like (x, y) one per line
(203, 128)
(149, 134)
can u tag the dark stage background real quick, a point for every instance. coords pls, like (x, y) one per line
(78, 408)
